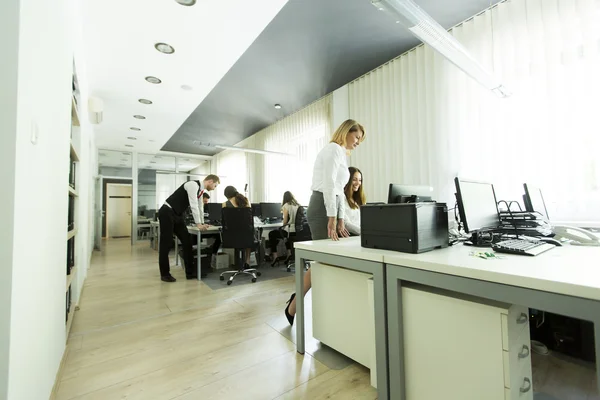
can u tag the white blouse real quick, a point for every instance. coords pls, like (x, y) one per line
(330, 175)
(352, 218)
(292, 211)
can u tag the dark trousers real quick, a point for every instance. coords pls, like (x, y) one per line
(216, 245)
(275, 236)
(173, 224)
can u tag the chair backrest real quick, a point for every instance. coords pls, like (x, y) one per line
(301, 225)
(237, 231)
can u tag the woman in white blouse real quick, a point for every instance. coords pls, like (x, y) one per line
(325, 212)
(355, 198)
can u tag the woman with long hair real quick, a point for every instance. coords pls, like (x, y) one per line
(355, 197)
(289, 208)
(326, 207)
(237, 200)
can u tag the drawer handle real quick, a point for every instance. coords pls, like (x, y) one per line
(524, 352)
(523, 318)
(526, 386)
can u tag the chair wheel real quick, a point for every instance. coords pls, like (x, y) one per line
(228, 282)
(253, 280)
(222, 278)
(258, 274)
(288, 269)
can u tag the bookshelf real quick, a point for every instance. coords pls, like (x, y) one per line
(72, 237)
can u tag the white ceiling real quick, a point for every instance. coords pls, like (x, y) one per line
(119, 38)
(118, 159)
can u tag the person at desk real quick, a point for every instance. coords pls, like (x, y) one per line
(171, 221)
(237, 200)
(355, 197)
(326, 209)
(289, 208)
(205, 198)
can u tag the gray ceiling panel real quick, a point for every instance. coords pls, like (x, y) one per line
(311, 48)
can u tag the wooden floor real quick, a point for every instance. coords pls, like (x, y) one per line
(136, 337)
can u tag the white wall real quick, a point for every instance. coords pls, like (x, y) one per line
(37, 323)
(9, 31)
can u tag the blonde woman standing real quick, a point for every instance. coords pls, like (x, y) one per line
(326, 207)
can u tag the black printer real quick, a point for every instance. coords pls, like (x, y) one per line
(409, 227)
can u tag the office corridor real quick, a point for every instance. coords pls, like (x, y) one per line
(136, 337)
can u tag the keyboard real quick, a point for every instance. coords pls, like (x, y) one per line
(522, 247)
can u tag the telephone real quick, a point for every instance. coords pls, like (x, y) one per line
(579, 237)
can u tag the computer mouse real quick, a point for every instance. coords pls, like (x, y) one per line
(550, 240)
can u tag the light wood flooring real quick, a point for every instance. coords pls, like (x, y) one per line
(135, 337)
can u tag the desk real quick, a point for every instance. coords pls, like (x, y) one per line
(348, 254)
(565, 280)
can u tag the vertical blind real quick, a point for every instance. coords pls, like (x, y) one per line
(428, 122)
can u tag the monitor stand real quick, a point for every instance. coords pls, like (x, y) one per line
(481, 238)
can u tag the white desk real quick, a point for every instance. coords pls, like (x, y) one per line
(565, 280)
(348, 254)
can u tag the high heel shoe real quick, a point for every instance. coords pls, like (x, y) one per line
(275, 262)
(289, 317)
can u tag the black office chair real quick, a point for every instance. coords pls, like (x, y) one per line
(302, 234)
(237, 232)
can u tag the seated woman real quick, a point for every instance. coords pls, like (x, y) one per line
(237, 200)
(289, 207)
(355, 198)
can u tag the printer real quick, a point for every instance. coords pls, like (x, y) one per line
(405, 227)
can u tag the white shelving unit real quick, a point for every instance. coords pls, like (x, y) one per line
(71, 271)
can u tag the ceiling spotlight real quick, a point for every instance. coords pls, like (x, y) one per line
(152, 140)
(152, 79)
(131, 138)
(277, 106)
(133, 128)
(145, 101)
(186, 87)
(164, 48)
(186, 2)
(128, 145)
(139, 117)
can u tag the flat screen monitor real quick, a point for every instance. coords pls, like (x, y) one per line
(214, 211)
(477, 205)
(270, 210)
(534, 201)
(408, 194)
(256, 210)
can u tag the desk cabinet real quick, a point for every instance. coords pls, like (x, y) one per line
(464, 348)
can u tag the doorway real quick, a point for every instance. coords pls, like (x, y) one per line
(118, 210)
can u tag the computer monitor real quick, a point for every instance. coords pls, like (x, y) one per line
(214, 211)
(270, 210)
(256, 210)
(534, 201)
(477, 205)
(408, 194)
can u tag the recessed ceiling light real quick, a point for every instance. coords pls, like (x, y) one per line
(128, 145)
(164, 48)
(277, 106)
(145, 101)
(152, 162)
(131, 138)
(152, 140)
(133, 128)
(152, 79)
(186, 87)
(139, 117)
(186, 2)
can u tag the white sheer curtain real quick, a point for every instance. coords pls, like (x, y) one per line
(232, 171)
(427, 121)
(302, 134)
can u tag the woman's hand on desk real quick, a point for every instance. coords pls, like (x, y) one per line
(331, 229)
(341, 227)
(202, 227)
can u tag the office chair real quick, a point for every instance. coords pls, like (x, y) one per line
(237, 232)
(302, 234)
